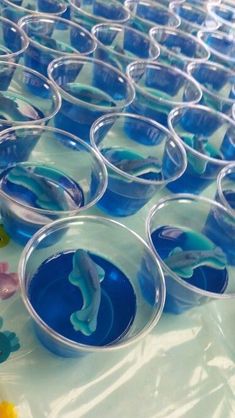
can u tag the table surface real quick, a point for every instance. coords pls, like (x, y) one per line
(184, 368)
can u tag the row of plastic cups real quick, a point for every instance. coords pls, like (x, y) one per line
(141, 158)
(224, 14)
(125, 39)
(50, 38)
(190, 241)
(89, 13)
(141, 15)
(15, 10)
(206, 136)
(210, 16)
(179, 48)
(28, 97)
(91, 88)
(117, 45)
(140, 155)
(200, 15)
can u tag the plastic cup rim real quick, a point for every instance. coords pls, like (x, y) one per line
(47, 17)
(85, 59)
(155, 6)
(175, 70)
(182, 197)
(23, 9)
(200, 9)
(82, 143)
(100, 18)
(100, 122)
(222, 174)
(219, 18)
(42, 233)
(211, 64)
(23, 36)
(220, 115)
(122, 28)
(214, 51)
(47, 81)
(181, 57)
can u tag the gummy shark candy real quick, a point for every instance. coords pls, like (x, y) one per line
(132, 163)
(86, 275)
(47, 186)
(184, 262)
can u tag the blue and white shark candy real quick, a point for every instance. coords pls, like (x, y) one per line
(86, 275)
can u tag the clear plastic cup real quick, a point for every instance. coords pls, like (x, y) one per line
(193, 251)
(27, 97)
(135, 271)
(13, 41)
(89, 13)
(224, 15)
(119, 45)
(89, 88)
(141, 157)
(37, 186)
(160, 88)
(225, 192)
(194, 18)
(217, 84)
(221, 47)
(51, 37)
(15, 9)
(178, 48)
(209, 140)
(145, 14)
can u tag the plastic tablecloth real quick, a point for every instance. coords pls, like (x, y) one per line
(183, 368)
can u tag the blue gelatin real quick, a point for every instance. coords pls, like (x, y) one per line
(123, 47)
(78, 119)
(16, 148)
(180, 45)
(157, 112)
(219, 84)
(117, 204)
(201, 172)
(55, 299)
(229, 195)
(146, 16)
(43, 6)
(48, 6)
(108, 11)
(124, 197)
(221, 227)
(12, 40)
(37, 187)
(158, 94)
(15, 108)
(38, 59)
(192, 15)
(10, 13)
(6, 74)
(195, 259)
